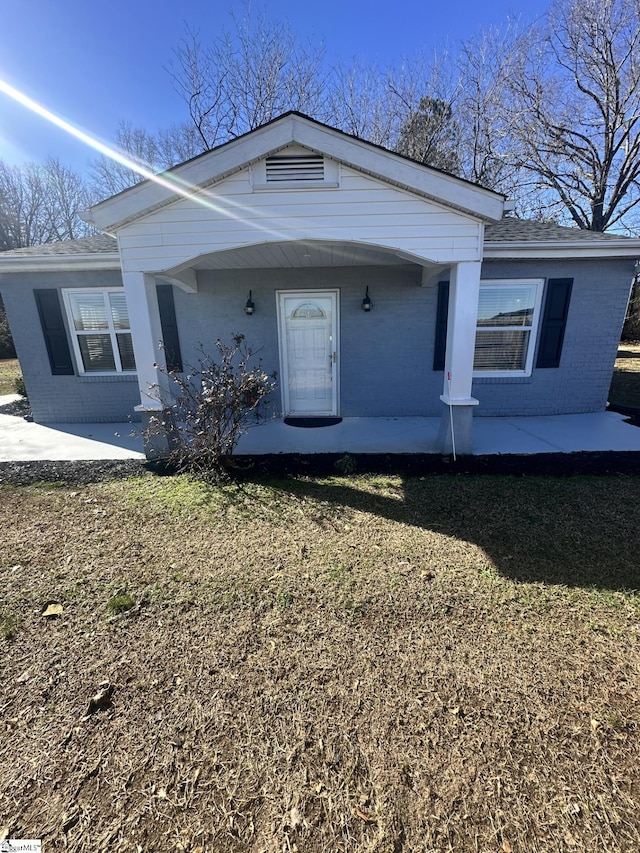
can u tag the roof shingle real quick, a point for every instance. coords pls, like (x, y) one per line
(512, 230)
(98, 245)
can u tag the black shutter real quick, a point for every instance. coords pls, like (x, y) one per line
(442, 313)
(554, 321)
(169, 327)
(55, 336)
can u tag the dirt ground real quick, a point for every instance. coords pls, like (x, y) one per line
(378, 664)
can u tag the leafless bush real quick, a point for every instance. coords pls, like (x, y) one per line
(211, 406)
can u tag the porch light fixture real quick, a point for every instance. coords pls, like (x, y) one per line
(249, 308)
(367, 304)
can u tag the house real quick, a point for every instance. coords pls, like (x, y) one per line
(379, 287)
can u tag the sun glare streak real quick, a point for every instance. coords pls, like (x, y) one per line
(43, 112)
(173, 183)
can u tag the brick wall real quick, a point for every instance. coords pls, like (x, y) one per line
(386, 356)
(60, 399)
(596, 314)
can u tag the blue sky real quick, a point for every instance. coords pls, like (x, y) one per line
(97, 64)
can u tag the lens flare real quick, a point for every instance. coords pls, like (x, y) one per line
(230, 209)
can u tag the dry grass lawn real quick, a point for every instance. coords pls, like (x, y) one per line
(625, 385)
(353, 664)
(9, 372)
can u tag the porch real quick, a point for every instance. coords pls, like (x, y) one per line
(593, 432)
(597, 432)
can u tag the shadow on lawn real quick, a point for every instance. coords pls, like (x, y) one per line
(578, 532)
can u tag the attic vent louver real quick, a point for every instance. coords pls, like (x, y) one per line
(295, 167)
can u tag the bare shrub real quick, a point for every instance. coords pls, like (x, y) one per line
(211, 406)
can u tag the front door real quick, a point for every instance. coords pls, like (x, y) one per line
(307, 326)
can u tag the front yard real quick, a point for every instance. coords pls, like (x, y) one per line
(9, 372)
(625, 386)
(345, 664)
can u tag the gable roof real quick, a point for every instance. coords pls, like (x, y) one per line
(196, 175)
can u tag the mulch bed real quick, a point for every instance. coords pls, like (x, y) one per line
(323, 464)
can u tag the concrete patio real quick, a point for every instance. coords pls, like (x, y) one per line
(21, 440)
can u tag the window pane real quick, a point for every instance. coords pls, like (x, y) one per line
(88, 311)
(503, 305)
(97, 353)
(119, 310)
(501, 350)
(125, 348)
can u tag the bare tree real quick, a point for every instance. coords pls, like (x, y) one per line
(549, 115)
(246, 77)
(485, 138)
(576, 112)
(152, 152)
(40, 204)
(361, 103)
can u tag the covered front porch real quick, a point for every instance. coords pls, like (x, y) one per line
(353, 322)
(596, 432)
(600, 432)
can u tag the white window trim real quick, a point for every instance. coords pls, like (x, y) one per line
(111, 331)
(533, 335)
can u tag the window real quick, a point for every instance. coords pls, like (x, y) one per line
(508, 316)
(101, 333)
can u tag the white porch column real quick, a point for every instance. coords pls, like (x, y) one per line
(462, 318)
(146, 334)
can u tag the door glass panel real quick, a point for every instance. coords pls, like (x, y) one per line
(307, 310)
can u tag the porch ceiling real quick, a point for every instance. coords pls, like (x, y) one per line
(298, 254)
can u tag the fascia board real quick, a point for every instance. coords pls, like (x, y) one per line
(190, 177)
(60, 263)
(627, 248)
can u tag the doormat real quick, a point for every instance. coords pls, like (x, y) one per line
(312, 423)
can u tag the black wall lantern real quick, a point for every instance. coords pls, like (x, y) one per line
(367, 304)
(249, 308)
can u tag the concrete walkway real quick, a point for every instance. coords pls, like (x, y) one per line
(599, 432)
(24, 441)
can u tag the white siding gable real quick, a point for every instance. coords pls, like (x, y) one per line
(295, 129)
(355, 208)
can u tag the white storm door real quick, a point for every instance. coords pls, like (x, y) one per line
(307, 325)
